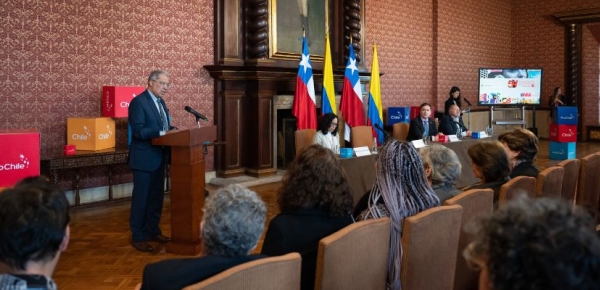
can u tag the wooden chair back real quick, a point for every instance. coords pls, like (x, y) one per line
(400, 131)
(515, 187)
(474, 202)
(273, 273)
(304, 138)
(549, 182)
(588, 186)
(355, 257)
(570, 178)
(429, 248)
(361, 136)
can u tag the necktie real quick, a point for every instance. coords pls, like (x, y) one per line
(426, 126)
(163, 117)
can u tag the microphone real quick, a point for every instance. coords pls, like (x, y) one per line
(193, 112)
(468, 103)
(378, 127)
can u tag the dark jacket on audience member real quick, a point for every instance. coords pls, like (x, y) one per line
(416, 129)
(524, 169)
(300, 231)
(495, 186)
(448, 125)
(444, 192)
(179, 273)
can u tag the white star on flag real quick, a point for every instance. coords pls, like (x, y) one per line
(304, 62)
(352, 65)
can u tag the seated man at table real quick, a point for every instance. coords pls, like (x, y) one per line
(450, 124)
(34, 230)
(423, 125)
(233, 221)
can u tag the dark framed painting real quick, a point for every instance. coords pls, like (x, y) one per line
(287, 18)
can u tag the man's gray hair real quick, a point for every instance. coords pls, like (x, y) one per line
(444, 164)
(156, 73)
(234, 219)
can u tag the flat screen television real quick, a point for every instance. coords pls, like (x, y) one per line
(510, 86)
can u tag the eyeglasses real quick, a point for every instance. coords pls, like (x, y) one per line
(164, 84)
(334, 124)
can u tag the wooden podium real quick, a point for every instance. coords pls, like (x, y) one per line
(187, 186)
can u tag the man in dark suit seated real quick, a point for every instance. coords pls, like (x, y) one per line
(450, 124)
(34, 231)
(233, 221)
(422, 125)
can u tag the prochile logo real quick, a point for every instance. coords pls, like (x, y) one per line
(569, 117)
(109, 105)
(86, 135)
(568, 134)
(23, 163)
(107, 135)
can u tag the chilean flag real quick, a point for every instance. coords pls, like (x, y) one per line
(304, 107)
(351, 104)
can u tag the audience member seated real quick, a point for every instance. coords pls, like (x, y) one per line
(450, 123)
(315, 201)
(422, 125)
(401, 190)
(490, 164)
(327, 130)
(34, 230)
(521, 146)
(442, 169)
(536, 244)
(233, 221)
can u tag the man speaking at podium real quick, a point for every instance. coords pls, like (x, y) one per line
(148, 119)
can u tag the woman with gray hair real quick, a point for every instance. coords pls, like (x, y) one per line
(233, 221)
(442, 169)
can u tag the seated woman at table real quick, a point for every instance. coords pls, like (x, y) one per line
(401, 190)
(327, 130)
(423, 125)
(521, 146)
(442, 168)
(315, 201)
(490, 164)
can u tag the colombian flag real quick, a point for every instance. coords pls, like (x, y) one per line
(374, 113)
(327, 93)
(304, 107)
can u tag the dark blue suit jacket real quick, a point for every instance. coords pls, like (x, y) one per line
(145, 124)
(448, 126)
(178, 273)
(416, 129)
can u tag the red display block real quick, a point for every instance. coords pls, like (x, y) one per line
(115, 100)
(70, 149)
(415, 111)
(20, 156)
(91, 133)
(563, 133)
(443, 138)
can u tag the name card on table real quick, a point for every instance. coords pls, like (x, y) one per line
(362, 151)
(453, 138)
(418, 143)
(479, 135)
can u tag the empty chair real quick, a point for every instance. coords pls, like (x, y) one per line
(588, 187)
(549, 182)
(354, 257)
(474, 202)
(429, 248)
(515, 187)
(400, 131)
(304, 138)
(274, 273)
(362, 136)
(570, 177)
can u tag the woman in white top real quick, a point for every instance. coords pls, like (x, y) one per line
(326, 135)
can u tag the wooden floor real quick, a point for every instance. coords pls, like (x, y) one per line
(100, 255)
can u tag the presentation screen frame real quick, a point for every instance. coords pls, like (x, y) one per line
(510, 86)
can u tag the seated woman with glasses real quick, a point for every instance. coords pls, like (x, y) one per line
(535, 244)
(401, 190)
(327, 130)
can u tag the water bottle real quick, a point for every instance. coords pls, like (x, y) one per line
(374, 150)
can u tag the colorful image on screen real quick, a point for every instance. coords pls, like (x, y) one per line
(509, 86)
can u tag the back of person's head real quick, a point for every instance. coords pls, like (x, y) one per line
(536, 244)
(325, 123)
(34, 216)
(233, 221)
(522, 141)
(402, 184)
(491, 157)
(443, 163)
(316, 179)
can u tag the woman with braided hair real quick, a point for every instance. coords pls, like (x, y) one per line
(400, 190)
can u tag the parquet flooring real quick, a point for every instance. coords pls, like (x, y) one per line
(100, 256)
